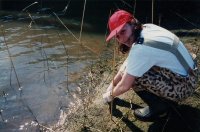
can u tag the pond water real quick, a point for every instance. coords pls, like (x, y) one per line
(39, 69)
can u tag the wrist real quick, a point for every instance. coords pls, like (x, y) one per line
(111, 97)
(108, 96)
(110, 87)
(111, 94)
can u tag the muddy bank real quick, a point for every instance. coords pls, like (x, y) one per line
(94, 116)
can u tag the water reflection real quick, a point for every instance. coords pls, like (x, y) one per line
(47, 61)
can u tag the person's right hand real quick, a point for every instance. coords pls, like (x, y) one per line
(110, 87)
(107, 97)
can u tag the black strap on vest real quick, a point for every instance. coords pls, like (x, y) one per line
(171, 48)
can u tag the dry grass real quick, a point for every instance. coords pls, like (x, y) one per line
(94, 116)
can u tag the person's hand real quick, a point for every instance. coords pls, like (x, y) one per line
(107, 97)
(110, 87)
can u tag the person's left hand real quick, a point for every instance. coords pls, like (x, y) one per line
(107, 98)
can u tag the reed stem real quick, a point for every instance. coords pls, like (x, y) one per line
(134, 8)
(113, 69)
(80, 37)
(10, 57)
(152, 11)
(65, 26)
(67, 54)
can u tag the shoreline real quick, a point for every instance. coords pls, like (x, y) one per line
(94, 116)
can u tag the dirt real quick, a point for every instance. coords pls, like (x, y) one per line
(94, 116)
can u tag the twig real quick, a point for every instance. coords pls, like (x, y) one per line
(95, 129)
(10, 57)
(107, 26)
(29, 6)
(67, 54)
(113, 69)
(65, 27)
(185, 19)
(166, 123)
(1, 115)
(117, 123)
(42, 49)
(126, 4)
(152, 11)
(134, 8)
(90, 49)
(46, 128)
(43, 52)
(13, 67)
(66, 7)
(82, 21)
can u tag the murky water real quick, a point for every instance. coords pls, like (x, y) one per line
(47, 61)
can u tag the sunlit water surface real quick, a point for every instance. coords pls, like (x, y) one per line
(46, 61)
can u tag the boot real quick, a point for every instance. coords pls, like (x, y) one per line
(157, 107)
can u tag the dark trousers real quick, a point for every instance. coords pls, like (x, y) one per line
(155, 101)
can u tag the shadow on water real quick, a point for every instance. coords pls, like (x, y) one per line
(183, 118)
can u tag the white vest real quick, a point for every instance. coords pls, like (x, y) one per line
(141, 57)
